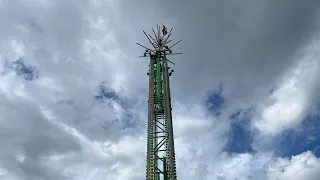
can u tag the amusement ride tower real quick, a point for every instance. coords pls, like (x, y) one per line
(161, 163)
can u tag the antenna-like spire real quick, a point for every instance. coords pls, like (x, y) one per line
(160, 41)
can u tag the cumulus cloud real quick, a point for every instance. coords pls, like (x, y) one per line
(289, 103)
(54, 127)
(58, 38)
(302, 166)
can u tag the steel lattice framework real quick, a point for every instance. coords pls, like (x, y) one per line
(161, 163)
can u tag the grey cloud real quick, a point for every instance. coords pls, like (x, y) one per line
(62, 22)
(246, 44)
(52, 33)
(25, 132)
(222, 41)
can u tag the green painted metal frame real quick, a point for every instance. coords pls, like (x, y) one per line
(161, 163)
(160, 150)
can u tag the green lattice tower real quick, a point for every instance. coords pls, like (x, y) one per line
(160, 142)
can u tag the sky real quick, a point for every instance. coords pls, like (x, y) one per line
(73, 90)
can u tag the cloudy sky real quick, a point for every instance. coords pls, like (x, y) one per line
(73, 92)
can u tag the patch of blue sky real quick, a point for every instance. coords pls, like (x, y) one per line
(307, 137)
(216, 101)
(240, 137)
(29, 73)
(129, 122)
(105, 93)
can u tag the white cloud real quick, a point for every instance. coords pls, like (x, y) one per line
(242, 166)
(289, 103)
(75, 46)
(302, 166)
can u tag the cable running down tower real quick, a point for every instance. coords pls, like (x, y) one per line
(161, 163)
